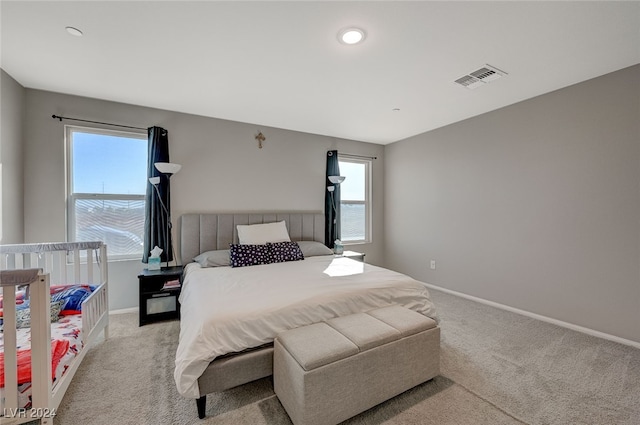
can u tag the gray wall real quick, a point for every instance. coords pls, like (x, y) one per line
(12, 110)
(223, 170)
(536, 205)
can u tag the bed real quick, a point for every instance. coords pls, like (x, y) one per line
(54, 304)
(230, 315)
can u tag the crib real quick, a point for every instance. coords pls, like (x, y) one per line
(36, 267)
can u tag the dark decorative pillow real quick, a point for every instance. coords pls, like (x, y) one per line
(248, 255)
(285, 251)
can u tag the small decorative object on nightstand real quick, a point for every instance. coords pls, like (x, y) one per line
(358, 256)
(159, 292)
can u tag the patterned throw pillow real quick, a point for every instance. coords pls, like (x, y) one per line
(56, 307)
(248, 255)
(285, 251)
(23, 317)
(72, 295)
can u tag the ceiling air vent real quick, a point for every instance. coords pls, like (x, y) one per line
(480, 77)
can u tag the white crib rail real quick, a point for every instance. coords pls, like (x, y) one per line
(40, 344)
(63, 261)
(93, 313)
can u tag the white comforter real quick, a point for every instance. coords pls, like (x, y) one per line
(226, 310)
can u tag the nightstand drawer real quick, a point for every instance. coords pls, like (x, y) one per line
(162, 303)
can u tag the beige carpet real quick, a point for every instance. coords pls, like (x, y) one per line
(497, 368)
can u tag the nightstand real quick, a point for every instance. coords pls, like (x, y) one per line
(159, 291)
(358, 256)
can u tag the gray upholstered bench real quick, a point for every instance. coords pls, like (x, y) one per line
(328, 372)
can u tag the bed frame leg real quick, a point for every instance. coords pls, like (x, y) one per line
(201, 403)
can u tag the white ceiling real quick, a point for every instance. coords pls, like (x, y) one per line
(279, 64)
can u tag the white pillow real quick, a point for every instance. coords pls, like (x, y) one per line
(258, 234)
(312, 249)
(217, 258)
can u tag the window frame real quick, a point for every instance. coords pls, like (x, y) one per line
(73, 197)
(368, 163)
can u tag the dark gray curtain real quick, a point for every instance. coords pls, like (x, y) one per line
(332, 201)
(155, 221)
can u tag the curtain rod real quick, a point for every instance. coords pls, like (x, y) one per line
(357, 156)
(95, 122)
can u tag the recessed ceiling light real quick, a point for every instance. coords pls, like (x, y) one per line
(396, 109)
(74, 31)
(351, 36)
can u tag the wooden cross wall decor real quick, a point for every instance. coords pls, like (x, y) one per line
(260, 138)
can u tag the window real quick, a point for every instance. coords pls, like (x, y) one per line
(106, 180)
(355, 200)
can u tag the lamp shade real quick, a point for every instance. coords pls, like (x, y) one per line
(154, 180)
(167, 167)
(336, 179)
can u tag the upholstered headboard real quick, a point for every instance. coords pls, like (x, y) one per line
(207, 232)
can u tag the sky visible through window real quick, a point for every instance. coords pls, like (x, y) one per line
(109, 164)
(352, 196)
(352, 188)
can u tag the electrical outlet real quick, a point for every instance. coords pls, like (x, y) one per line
(433, 264)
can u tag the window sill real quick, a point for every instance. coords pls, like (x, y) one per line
(363, 242)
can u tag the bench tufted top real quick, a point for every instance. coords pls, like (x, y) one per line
(319, 344)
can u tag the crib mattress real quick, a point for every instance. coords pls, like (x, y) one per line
(68, 328)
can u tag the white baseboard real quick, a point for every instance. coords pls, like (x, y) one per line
(124, 310)
(539, 317)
